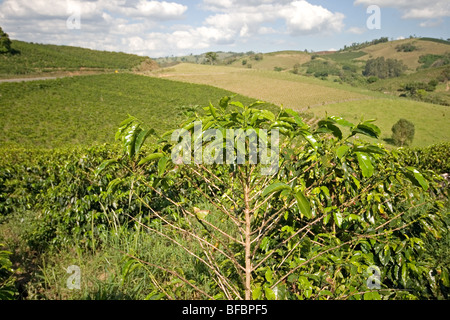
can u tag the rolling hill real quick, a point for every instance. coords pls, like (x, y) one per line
(391, 50)
(86, 110)
(312, 95)
(43, 59)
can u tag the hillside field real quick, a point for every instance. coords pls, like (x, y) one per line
(307, 94)
(388, 50)
(46, 59)
(86, 110)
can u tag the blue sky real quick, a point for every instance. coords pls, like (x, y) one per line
(166, 28)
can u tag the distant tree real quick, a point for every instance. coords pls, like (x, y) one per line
(406, 47)
(5, 42)
(381, 68)
(403, 132)
(211, 57)
(258, 57)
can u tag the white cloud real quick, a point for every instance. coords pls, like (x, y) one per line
(432, 23)
(300, 17)
(414, 9)
(42, 9)
(217, 5)
(150, 9)
(147, 26)
(304, 18)
(356, 30)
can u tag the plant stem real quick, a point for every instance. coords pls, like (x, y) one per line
(247, 236)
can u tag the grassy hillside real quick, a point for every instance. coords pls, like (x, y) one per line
(394, 85)
(431, 121)
(410, 59)
(33, 58)
(290, 90)
(308, 94)
(283, 60)
(87, 109)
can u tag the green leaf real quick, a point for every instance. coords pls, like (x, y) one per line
(129, 140)
(270, 295)
(404, 273)
(296, 117)
(326, 219)
(342, 121)
(303, 204)
(373, 295)
(213, 111)
(266, 114)
(445, 278)
(153, 156)
(325, 293)
(268, 276)
(419, 178)
(237, 104)
(256, 293)
(282, 124)
(143, 135)
(341, 151)
(265, 244)
(201, 214)
(367, 129)
(385, 255)
(104, 165)
(338, 218)
(370, 149)
(162, 163)
(123, 126)
(275, 187)
(331, 128)
(256, 103)
(223, 103)
(365, 164)
(310, 138)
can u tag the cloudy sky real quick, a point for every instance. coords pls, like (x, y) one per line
(177, 27)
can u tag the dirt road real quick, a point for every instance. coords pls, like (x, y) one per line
(29, 79)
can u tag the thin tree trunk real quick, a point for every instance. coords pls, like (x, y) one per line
(247, 236)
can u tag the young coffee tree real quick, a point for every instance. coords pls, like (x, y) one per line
(272, 209)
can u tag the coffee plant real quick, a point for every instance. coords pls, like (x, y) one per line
(338, 218)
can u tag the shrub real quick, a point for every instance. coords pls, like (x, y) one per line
(403, 132)
(258, 56)
(435, 157)
(406, 47)
(372, 79)
(434, 60)
(382, 68)
(321, 74)
(8, 290)
(5, 42)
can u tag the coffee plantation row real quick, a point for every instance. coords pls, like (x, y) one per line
(336, 208)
